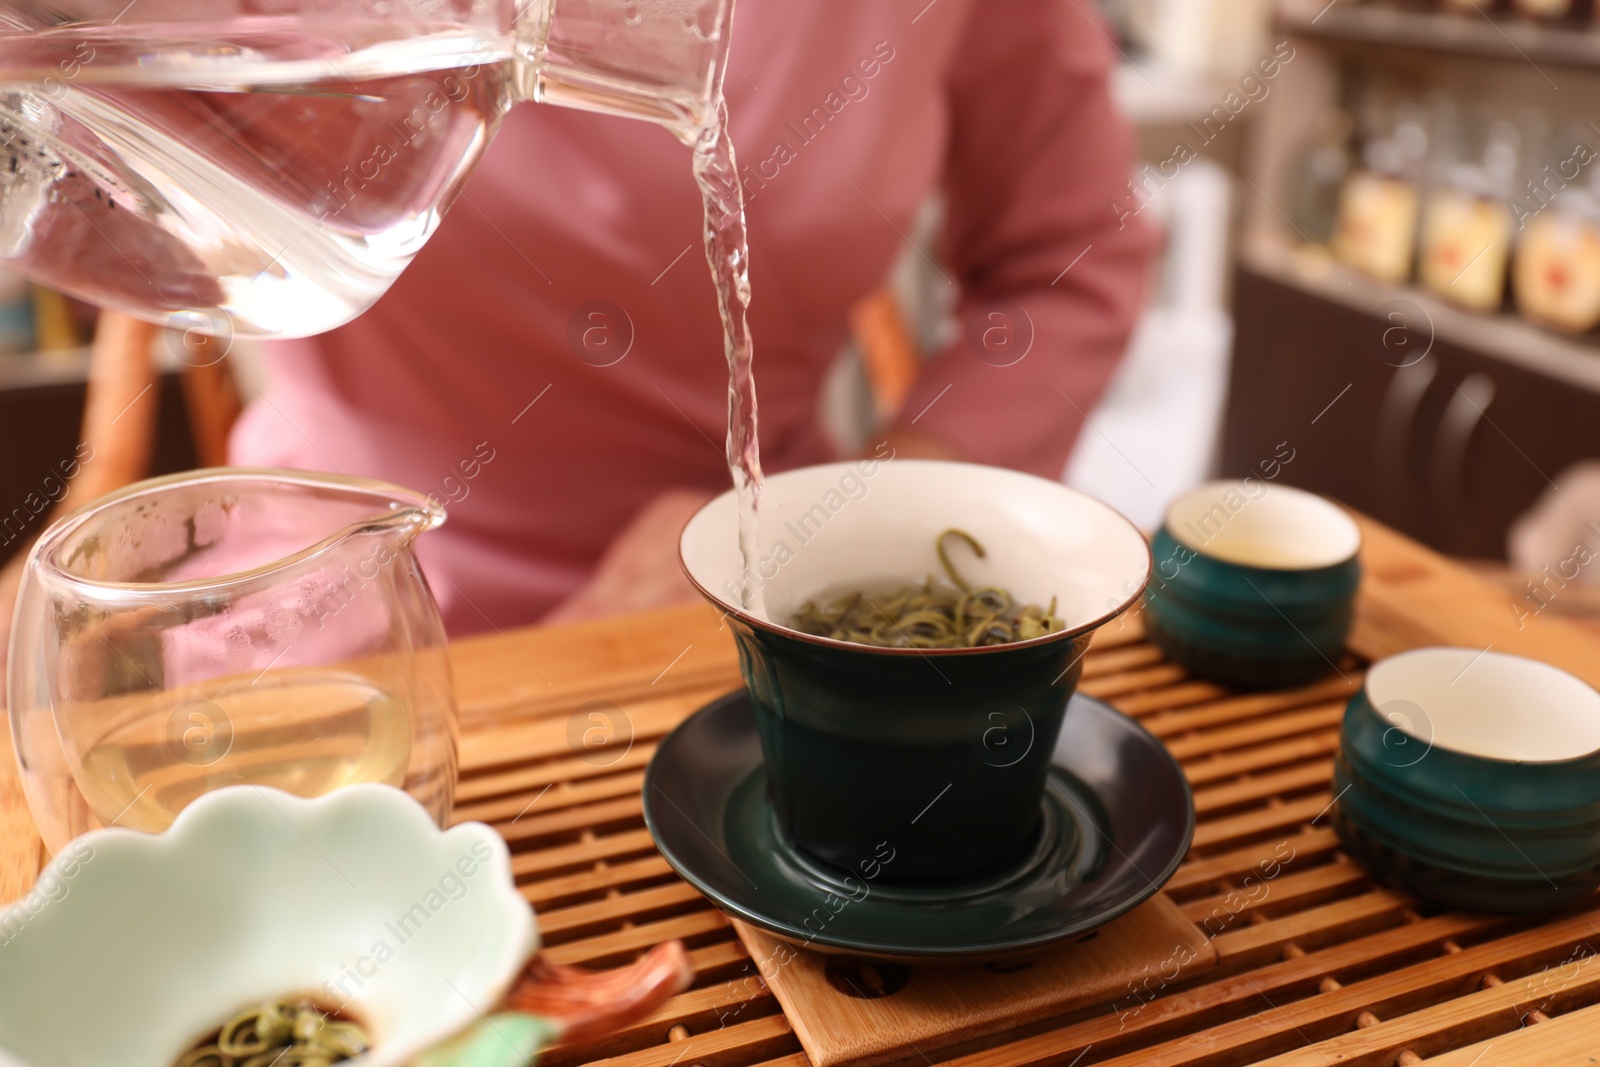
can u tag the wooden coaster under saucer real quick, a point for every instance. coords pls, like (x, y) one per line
(855, 1011)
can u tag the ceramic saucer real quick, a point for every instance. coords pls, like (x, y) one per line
(1116, 819)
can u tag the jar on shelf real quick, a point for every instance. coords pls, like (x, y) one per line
(1378, 206)
(1467, 226)
(1319, 174)
(1556, 273)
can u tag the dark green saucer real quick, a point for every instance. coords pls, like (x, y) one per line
(1116, 820)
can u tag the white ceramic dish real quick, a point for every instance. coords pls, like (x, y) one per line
(133, 946)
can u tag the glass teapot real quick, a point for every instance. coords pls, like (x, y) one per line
(270, 166)
(225, 627)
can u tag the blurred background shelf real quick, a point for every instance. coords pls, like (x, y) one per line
(1449, 430)
(1462, 34)
(1505, 337)
(1449, 424)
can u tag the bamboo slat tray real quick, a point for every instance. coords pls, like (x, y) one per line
(1317, 965)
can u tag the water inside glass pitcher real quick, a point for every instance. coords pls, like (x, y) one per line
(270, 166)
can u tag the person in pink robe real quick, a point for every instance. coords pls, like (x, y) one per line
(551, 368)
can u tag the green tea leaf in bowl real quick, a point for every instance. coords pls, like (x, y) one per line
(279, 1033)
(932, 615)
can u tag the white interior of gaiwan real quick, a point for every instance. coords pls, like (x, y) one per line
(1488, 704)
(1263, 525)
(875, 524)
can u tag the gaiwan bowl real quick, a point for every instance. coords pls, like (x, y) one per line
(1472, 778)
(133, 947)
(941, 754)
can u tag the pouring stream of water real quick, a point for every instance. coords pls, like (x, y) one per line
(728, 253)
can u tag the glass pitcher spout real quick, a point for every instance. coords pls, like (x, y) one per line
(660, 60)
(221, 529)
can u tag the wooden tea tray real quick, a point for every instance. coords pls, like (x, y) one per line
(1316, 965)
(851, 1012)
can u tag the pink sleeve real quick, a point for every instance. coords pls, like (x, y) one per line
(1050, 278)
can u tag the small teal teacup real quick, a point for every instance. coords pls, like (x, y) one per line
(940, 754)
(1254, 584)
(1472, 778)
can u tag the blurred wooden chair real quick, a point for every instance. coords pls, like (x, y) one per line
(119, 426)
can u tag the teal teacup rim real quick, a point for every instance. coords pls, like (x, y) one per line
(1505, 733)
(1257, 526)
(1006, 509)
(1244, 589)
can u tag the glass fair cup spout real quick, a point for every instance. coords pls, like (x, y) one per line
(225, 627)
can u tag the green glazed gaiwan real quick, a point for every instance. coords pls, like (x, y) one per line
(1472, 778)
(1254, 584)
(941, 753)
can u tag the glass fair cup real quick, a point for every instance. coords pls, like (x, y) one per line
(228, 627)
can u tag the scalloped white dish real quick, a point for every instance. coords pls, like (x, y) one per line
(133, 946)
